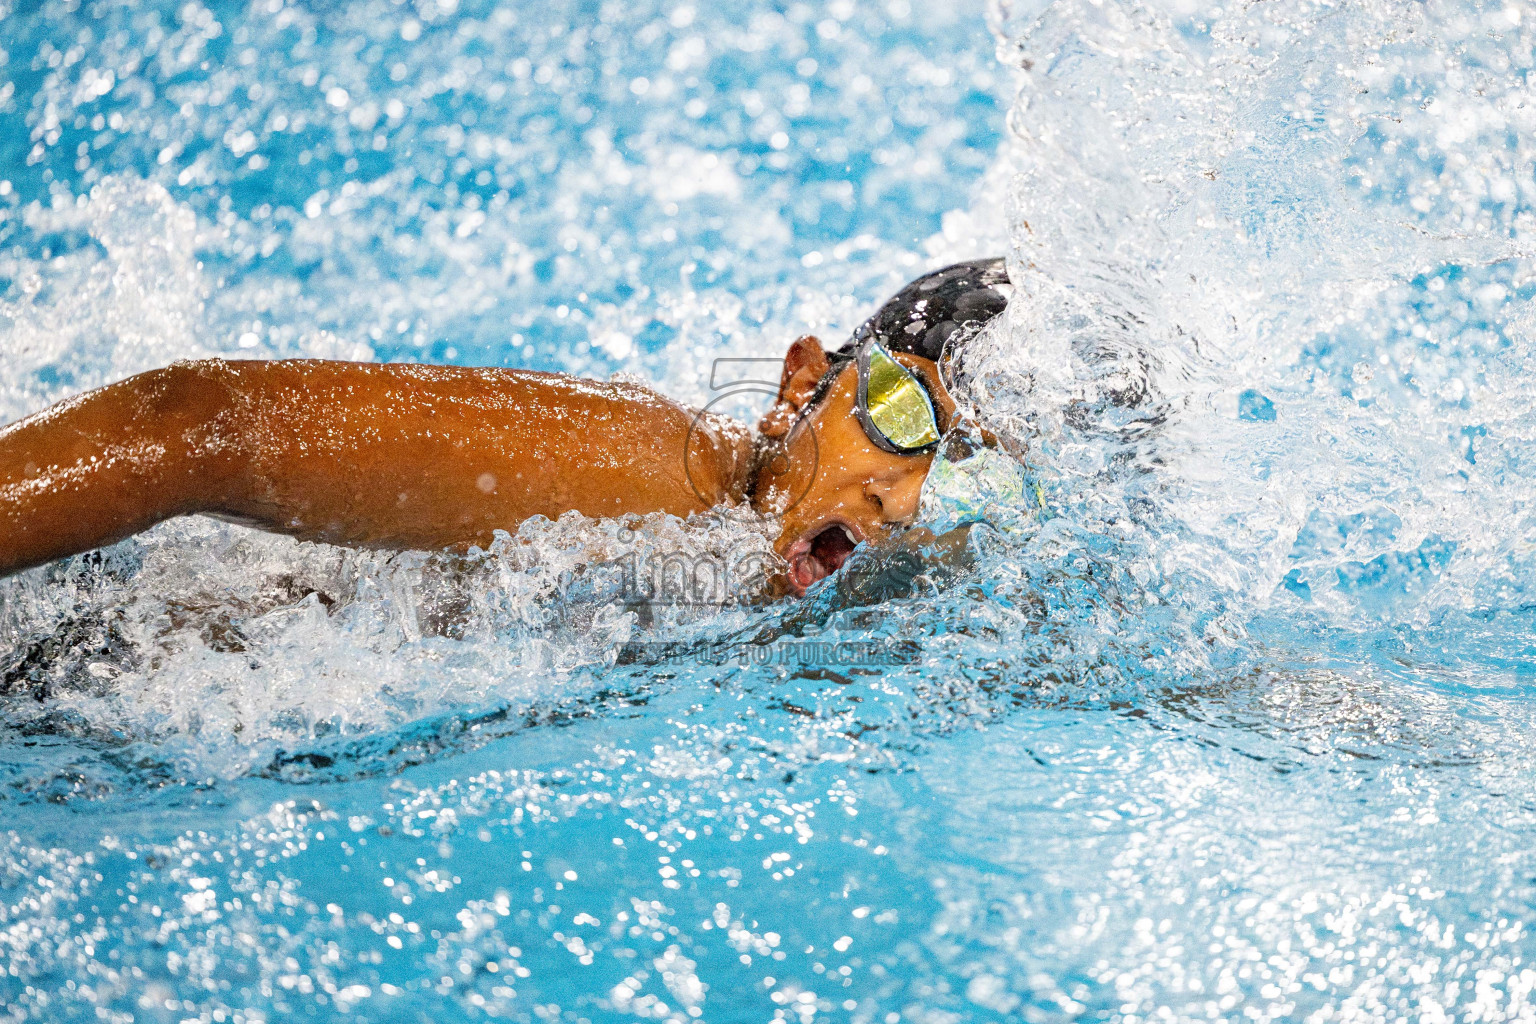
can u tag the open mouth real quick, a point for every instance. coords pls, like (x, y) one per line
(819, 553)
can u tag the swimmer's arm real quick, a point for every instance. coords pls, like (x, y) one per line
(389, 456)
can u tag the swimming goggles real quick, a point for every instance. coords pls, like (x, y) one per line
(893, 404)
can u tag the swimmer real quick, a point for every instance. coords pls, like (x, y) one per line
(437, 457)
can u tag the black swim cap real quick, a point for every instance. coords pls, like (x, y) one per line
(923, 317)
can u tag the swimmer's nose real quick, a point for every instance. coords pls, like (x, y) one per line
(897, 495)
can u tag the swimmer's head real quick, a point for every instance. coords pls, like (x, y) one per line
(857, 427)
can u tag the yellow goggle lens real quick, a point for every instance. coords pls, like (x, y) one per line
(898, 404)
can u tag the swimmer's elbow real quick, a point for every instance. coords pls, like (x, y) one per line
(192, 409)
(186, 391)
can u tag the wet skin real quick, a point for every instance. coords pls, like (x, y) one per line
(827, 478)
(430, 457)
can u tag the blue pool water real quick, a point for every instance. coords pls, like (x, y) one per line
(1231, 719)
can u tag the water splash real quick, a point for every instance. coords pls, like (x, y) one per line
(1273, 316)
(503, 189)
(222, 652)
(1235, 721)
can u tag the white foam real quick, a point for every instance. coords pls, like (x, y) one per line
(1271, 264)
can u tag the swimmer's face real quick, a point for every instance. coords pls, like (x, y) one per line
(831, 486)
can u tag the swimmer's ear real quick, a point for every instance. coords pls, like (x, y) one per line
(804, 365)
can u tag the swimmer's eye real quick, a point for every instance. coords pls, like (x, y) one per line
(893, 405)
